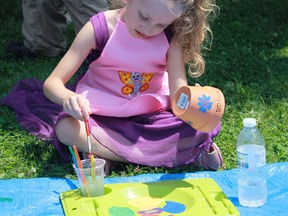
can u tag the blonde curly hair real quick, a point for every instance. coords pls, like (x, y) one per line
(191, 30)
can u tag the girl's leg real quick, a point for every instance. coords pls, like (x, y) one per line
(71, 132)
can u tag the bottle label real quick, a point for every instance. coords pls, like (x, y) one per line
(251, 156)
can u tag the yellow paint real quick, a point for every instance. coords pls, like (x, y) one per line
(145, 203)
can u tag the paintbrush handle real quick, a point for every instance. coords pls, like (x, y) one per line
(88, 134)
(78, 161)
(92, 167)
(87, 127)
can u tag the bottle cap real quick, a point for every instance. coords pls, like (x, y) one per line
(249, 122)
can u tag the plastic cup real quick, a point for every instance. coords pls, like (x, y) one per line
(201, 107)
(91, 179)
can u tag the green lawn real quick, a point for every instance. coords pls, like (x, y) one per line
(248, 62)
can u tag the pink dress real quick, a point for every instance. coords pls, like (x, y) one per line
(127, 87)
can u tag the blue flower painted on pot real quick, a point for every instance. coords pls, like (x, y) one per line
(204, 103)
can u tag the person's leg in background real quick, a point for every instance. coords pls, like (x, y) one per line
(43, 29)
(45, 24)
(81, 11)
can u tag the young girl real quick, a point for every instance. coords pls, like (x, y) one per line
(126, 92)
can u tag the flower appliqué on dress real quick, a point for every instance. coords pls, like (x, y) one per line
(204, 103)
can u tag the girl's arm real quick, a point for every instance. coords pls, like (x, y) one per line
(54, 86)
(176, 68)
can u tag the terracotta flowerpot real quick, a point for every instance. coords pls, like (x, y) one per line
(201, 107)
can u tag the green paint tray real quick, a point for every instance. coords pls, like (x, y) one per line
(165, 198)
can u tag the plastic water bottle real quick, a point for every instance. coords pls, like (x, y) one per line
(251, 157)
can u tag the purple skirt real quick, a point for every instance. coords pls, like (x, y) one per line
(156, 139)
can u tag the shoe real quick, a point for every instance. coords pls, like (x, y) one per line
(19, 50)
(210, 160)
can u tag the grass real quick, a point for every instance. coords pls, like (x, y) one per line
(248, 62)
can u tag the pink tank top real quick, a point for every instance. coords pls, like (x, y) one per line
(129, 77)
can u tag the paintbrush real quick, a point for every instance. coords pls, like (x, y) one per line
(88, 135)
(80, 167)
(89, 148)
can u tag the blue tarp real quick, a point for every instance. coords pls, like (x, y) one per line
(40, 196)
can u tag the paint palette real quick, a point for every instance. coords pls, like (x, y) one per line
(165, 198)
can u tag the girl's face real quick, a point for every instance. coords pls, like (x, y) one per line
(146, 18)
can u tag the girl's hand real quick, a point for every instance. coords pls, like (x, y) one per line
(77, 106)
